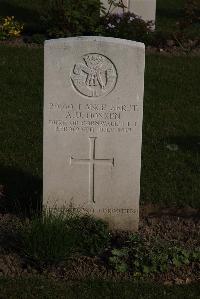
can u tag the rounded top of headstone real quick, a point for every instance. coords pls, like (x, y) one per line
(98, 39)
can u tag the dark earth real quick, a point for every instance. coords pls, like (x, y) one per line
(179, 226)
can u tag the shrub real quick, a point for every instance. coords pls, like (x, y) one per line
(127, 26)
(58, 235)
(10, 28)
(66, 18)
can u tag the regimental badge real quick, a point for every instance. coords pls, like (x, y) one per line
(95, 76)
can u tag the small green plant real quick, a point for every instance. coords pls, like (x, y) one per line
(142, 258)
(10, 28)
(119, 259)
(92, 235)
(46, 238)
(55, 236)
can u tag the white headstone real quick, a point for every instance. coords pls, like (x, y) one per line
(93, 103)
(114, 9)
(146, 9)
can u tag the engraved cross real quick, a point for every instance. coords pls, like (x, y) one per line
(92, 161)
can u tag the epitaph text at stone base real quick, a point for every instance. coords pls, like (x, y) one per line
(93, 107)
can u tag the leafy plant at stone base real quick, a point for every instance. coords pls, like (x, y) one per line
(92, 235)
(65, 18)
(10, 28)
(140, 257)
(57, 235)
(127, 26)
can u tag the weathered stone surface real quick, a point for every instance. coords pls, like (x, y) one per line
(113, 9)
(93, 103)
(146, 9)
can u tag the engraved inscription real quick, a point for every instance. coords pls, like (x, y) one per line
(118, 211)
(94, 118)
(92, 161)
(95, 76)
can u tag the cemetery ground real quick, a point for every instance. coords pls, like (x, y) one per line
(75, 257)
(169, 194)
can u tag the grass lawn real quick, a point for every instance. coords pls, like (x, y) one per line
(171, 131)
(171, 142)
(46, 289)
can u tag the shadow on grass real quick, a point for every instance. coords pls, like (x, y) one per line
(22, 192)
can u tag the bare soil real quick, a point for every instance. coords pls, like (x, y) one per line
(179, 226)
